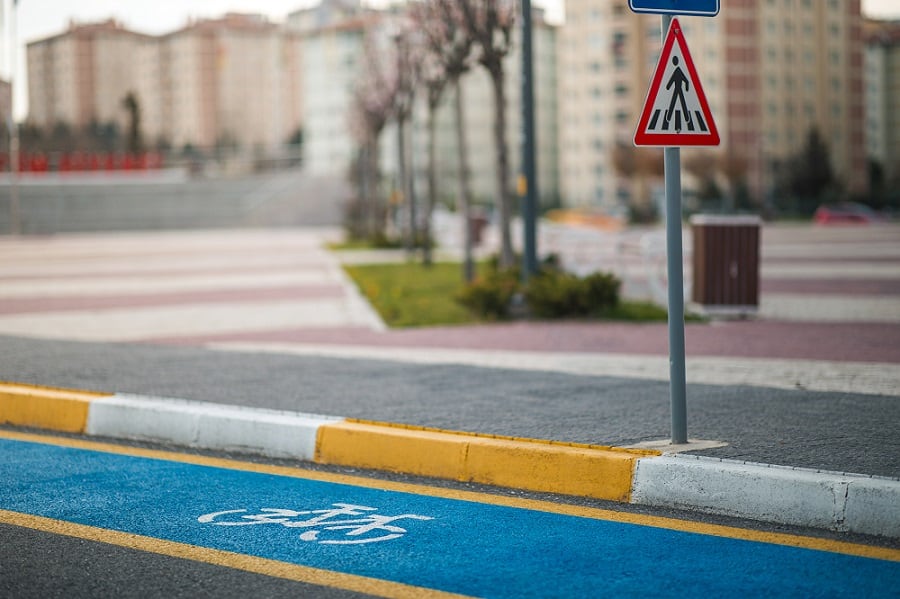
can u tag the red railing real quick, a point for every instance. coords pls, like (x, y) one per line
(67, 162)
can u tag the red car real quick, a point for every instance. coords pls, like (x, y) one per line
(846, 213)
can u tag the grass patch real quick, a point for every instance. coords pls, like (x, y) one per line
(636, 312)
(411, 295)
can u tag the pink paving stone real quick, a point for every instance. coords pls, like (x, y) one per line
(833, 286)
(87, 273)
(25, 305)
(751, 339)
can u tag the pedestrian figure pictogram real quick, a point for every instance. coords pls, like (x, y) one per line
(676, 82)
(676, 112)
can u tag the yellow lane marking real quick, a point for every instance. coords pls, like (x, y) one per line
(567, 468)
(227, 559)
(62, 410)
(818, 544)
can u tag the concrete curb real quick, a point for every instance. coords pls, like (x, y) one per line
(779, 494)
(828, 500)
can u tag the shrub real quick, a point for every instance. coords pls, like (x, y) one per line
(556, 294)
(551, 294)
(602, 291)
(491, 296)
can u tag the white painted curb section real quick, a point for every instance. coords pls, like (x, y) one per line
(205, 425)
(783, 495)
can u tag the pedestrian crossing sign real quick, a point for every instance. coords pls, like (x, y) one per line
(676, 112)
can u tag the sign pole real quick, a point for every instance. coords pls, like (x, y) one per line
(675, 264)
(676, 113)
(528, 179)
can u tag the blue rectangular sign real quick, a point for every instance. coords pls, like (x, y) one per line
(696, 8)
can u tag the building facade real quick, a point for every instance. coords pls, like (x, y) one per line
(332, 56)
(772, 70)
(82, 75)
(229, 82)
(883, 98)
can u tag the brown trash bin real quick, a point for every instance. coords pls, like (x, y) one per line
(726, 263)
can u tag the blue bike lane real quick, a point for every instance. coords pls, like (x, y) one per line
(408, 539)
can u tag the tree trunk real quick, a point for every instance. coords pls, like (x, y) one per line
(507, 257)
(409, 189)
(373, 187)
(432, 184)
(465, 192)
(409, 238)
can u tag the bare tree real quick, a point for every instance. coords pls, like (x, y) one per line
(372, 106)
(408, 69)
(490, 24)
(427, 18)
(449, 45)
(435, 80)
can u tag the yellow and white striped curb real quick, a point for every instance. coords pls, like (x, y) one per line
(573, 469)
(835, 501)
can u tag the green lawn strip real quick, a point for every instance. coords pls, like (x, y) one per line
(411, 295)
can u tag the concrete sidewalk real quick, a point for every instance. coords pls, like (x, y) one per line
(131, 314)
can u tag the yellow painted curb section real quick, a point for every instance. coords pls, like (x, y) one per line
(63, 410)
(569, 469)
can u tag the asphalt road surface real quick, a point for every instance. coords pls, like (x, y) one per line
(830, 431)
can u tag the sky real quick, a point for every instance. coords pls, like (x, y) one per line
(42, 18)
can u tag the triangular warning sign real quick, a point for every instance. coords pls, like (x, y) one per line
(676, 112)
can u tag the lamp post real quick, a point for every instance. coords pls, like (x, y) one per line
(528, 178)
(15, 218)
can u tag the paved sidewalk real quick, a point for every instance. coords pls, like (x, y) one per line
(820, 361)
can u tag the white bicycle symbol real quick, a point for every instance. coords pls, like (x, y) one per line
(367, 528)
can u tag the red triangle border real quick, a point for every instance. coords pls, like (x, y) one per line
(641, 136)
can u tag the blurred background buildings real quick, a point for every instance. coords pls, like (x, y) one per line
(785, 79)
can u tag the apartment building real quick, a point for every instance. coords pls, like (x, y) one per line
(231, 81)
(332, 44)
(883, 96)
(83, 74)
(772, 70)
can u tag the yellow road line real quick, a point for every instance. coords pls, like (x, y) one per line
(63, 410)
(566, 468)
(227, 559)
(814, 543)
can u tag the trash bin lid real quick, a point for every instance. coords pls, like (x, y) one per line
(725, 220)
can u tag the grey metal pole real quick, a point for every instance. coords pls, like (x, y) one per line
(529, 171)
(15, 210)
(675, 264)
